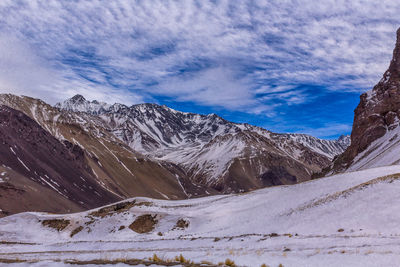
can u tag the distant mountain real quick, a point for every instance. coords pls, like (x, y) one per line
(214, 152)
(79, 104)
(375, 138)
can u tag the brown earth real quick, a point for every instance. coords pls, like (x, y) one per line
(144, 224)
(76, 230)
(27, 150)
(58, 224)
(113, 209)
(182, 224)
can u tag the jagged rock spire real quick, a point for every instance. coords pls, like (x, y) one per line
(392, 75)
(377, 112)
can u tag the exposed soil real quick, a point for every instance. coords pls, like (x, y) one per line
(144, 224)
(76, 230)
(182, 224)
(58, 224)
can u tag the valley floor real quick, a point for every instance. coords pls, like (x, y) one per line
(333, 250)
(350, 219)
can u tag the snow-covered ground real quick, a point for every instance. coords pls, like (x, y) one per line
(382, 152)
(349, 219)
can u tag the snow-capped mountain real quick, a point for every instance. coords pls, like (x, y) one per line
(213, 151)
(36, 164)
(79, 104)
(154, 151)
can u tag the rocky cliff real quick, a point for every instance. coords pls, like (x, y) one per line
(374, 137)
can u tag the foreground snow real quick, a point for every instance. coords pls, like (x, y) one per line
(344, 220)
(382, 152)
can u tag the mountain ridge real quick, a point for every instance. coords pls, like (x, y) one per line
(120, 170)
(69, 105)
(153, 151)
(24, 155)
(185, 138)
(104, 108)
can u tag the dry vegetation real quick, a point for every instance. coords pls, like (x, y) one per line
(58, 224)
(154, 260)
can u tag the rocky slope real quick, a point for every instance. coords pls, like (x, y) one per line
(41, 173)
(212, 151)
(117, 168)
(375, 138)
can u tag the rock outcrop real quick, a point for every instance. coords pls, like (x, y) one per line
(375, 118)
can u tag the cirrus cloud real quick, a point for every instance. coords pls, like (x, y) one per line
(248, 56)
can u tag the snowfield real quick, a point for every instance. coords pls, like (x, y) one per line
(382, 152)
(349, 219)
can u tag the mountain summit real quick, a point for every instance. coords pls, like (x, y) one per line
(78, 103)
(78, 99)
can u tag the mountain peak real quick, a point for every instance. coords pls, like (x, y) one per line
(78, 98)
(78, 103)
(392, 75)
(344, 140)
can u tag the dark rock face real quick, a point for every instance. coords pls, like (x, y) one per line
(28, 149)
(377, 112)
(78, 99)
(278, 176)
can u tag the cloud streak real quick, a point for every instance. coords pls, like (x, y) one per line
(252, 56)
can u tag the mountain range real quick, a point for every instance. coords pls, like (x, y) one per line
(144, 150)
(208, 147)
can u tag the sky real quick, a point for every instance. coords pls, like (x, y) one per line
(287, 66)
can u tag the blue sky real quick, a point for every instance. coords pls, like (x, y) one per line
(287, 66)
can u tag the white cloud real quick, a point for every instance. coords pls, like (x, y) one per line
(220, 54)
(22, 72)
(328, 130)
